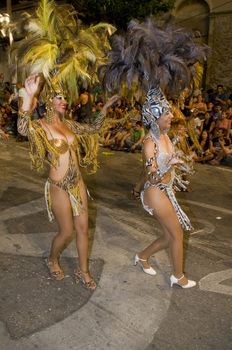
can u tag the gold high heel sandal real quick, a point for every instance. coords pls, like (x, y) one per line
(55, 270)
(91, 284)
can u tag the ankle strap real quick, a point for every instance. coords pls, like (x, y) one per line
(142, 259)
(180, 278)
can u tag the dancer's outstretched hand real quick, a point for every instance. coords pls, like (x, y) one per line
(32, 89)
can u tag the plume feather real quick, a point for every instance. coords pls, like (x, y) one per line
(153, 55)
(61, 48)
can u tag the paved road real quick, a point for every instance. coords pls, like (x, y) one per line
(129, 310)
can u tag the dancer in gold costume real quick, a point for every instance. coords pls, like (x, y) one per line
(65, 55)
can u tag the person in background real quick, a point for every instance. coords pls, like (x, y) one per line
(133, 140)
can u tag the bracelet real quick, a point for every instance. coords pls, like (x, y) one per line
(25, 114)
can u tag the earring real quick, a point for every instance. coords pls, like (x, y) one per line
(49, 111)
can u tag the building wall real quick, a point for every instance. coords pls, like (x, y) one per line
(213, 18)
(220, 41)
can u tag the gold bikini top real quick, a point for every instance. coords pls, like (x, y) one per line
(62, 146)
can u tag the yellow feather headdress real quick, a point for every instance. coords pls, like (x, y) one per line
(62, 49)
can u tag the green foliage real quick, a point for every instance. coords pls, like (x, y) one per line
(120, 12)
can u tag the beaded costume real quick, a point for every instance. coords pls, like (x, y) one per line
(43, 150)
(155, 106)
(65, 55)
(155, 55)
(161, 158)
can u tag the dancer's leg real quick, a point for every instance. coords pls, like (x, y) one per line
(173, 234)
(82, 239)
(81, 228)
(160, 243)
(63, 215)
(62, 211)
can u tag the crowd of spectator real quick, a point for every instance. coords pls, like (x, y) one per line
(202, 121)
(211, 115)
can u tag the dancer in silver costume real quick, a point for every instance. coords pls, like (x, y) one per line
(158, 197)
(157, 54)
(163, 154)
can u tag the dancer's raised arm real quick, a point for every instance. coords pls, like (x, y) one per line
(32, 85)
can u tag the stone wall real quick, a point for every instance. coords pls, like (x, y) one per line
(218, 37)
(219, 69)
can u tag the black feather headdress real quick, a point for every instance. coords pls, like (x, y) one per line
(152, 55)
(155, 57)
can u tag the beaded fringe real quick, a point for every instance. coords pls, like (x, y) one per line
(182, 217)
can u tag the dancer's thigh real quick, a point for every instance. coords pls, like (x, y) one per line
(62, 209)
(163, 209)
(81, 221)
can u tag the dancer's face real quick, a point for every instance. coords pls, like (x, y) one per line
(165, 120)
(59, 104)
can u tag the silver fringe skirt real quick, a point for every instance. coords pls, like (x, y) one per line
(168, 190)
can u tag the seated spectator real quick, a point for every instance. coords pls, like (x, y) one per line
(208, 123)
(134, 139)
(210, 96)
(206, 154)
(216, 142)
(217, 113)
(135, 113)
(224, 153)
(115, 141)
(97, 109)
(224, 123)
(220, 96)
(112, 124)
(210, 108)
(199, 105)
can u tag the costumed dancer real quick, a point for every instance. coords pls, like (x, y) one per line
(54, 139)
(157, 56)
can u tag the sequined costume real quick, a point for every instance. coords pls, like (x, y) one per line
(161, 158)
(44, 150)
(155, 106)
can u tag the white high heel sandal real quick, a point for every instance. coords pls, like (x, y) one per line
(149, 271)
(175, 280)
